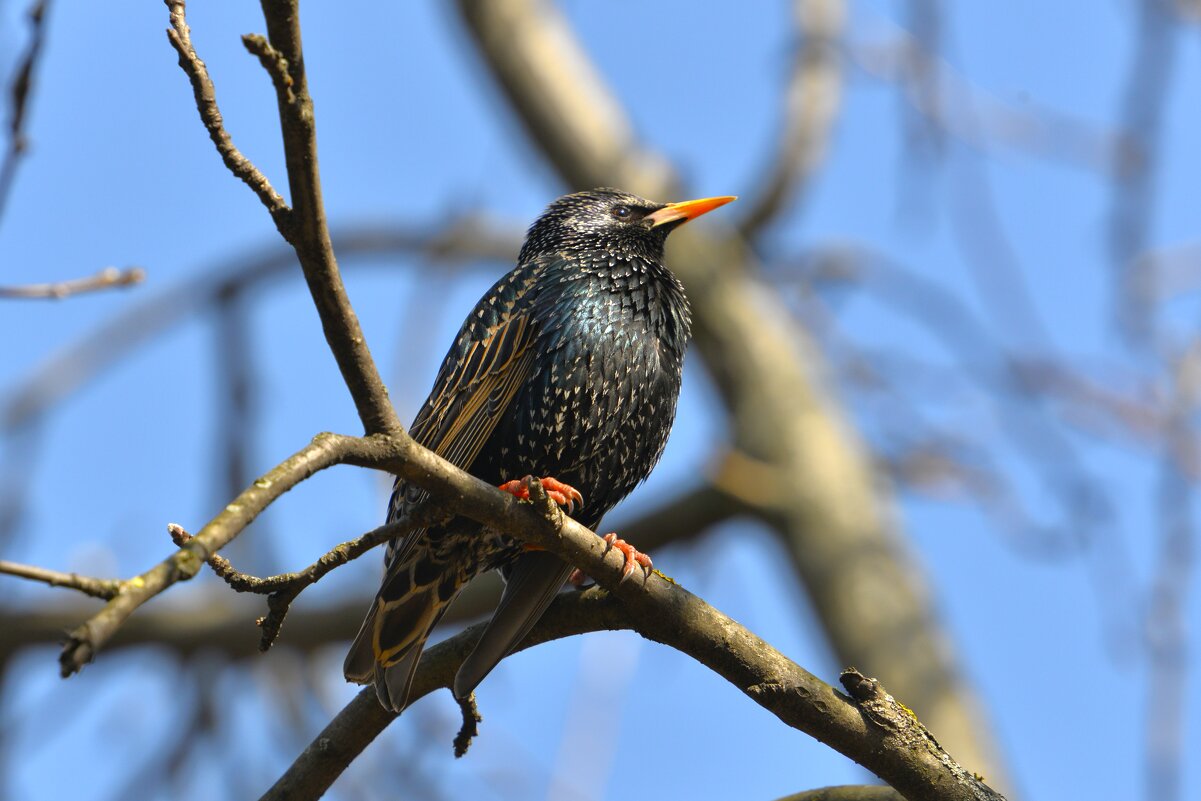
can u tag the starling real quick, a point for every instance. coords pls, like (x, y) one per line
(568, 369)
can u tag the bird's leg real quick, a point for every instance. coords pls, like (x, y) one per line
(633, 556)
(558, 492)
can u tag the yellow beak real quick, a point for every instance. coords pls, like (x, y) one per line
(687, 209)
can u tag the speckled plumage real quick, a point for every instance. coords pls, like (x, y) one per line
(569, 366)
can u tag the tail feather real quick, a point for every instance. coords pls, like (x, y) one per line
(534, 581)
(390, 641)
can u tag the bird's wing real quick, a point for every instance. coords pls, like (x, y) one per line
(490, 360)
(476, 385)
(466, 404)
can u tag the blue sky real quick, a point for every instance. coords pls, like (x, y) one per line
(121, 172)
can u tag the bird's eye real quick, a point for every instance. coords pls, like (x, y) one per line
(622, 212)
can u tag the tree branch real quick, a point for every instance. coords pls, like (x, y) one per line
(282, 589)
(663, 612)
(224, 627)
(19, 98)
(657, 607)
(811, 102)
(107, 278)
(180, 36)
(95, 587)
(303, 225)
(216, 621)
(324, 451)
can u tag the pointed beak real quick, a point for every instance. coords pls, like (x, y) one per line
(687, 210)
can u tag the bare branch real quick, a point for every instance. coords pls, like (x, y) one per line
(324, 451)
(305, 227)
(904, 729)
(811, 102)
(662, 610)
(665, 613)
(218, 621)
(19, 98)
(275, 64)
(95, 587)
(283, 589)
(180, 36)
(1165, 617)
(107, 278)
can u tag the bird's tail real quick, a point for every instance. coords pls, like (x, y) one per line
(532, 583)
(393, 634)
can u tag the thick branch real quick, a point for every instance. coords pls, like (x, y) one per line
(216, 621)
(107, 278)
(661, 611)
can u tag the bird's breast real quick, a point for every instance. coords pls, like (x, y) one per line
(600, 402)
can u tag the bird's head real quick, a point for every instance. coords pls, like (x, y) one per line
(612, 221)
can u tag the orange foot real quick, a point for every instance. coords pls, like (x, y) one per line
(559, 492)
(633, 556)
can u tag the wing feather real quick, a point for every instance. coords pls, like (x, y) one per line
(465, 406)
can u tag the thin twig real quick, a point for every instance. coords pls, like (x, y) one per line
(19, 98)
(282, 589)
(1133, 208)
(107, 278)
(470, 727)
(324, 451)
(95, 587)
(1165, 618)
(306, 227)
(272, 61)
(180, 37)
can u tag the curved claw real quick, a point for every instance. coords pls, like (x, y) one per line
(632, 555)
(562, 494)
